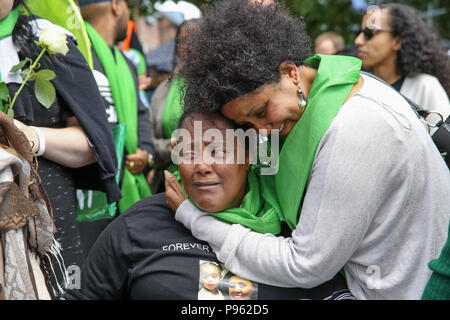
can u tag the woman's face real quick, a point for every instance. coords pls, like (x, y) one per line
(209, 170)
(382, 46)
(5, 8)
(271, 106)
(240, 289)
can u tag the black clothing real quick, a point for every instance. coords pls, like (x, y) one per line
(146, 254)
(90, 230)
(76, 95)
(398, 84)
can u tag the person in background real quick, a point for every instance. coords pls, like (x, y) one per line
(401, 48)
(117, 79)
(165, 112)
(329, 43)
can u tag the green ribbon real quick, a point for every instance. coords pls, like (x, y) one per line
(8, 23)
(254, 212)
(123, 89)
(336, 76)
(173, 108)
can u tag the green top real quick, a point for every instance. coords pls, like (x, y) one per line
(123, 89)
(8, 23)
(438, 287)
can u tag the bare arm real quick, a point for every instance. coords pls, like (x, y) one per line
(67, 146)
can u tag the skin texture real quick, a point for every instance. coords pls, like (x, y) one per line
(213, 186)
(5, 8)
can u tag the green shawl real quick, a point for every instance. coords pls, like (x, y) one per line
(254, 213)
(336, 76)
(7, 25)
(123, 89)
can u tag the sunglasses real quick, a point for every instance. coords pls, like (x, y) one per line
(369, 33)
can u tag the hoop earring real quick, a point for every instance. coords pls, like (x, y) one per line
(301, 99)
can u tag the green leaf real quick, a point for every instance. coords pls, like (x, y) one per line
(20, 65)
(24, 73)
(10, 113)
(4, 92)
(46, 74)
(45, 92)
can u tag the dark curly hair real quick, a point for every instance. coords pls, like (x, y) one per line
(237, 48)
(422, 50)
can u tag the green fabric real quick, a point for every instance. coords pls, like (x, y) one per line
(8, 23)
(438, 286)
(93, 205)
(142, 67)
(66, 14)
(336, 76)
(254, 212)
(123, 89)
(173, 109)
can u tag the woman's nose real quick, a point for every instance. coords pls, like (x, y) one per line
(203, 167)
(360, 40)
(263, 128)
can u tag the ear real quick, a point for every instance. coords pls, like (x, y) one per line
(115, 7)
(397, 44)
(289, 69)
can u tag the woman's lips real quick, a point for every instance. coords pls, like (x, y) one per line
(206, 185)
(361, 54)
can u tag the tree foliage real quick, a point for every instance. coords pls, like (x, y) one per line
(338, 15)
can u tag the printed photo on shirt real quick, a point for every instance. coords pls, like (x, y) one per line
(217, 283)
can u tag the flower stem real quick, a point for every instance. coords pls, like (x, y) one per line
(30, 72)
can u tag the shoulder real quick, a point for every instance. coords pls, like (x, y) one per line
(151, 214)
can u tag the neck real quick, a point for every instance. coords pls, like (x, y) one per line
(388, 71)
(307, 76)
(105, 29)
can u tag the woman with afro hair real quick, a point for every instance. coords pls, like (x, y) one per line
(360, 183)
(401, 48)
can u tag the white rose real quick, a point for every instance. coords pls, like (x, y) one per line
(54, 41)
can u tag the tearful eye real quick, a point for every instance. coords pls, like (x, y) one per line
(262, 112)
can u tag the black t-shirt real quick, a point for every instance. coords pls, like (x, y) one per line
(146, 254)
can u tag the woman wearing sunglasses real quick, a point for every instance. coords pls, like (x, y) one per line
(359, 182)
(404, 50)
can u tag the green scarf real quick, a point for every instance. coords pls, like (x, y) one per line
(173, 109)
(254, 212)
(123, 89)
(336, 76)
(8, 23)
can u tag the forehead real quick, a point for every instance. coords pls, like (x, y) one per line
(241, 107)
(376, 19)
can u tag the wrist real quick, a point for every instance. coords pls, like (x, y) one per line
(41, 139)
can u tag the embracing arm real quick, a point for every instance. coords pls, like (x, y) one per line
(348, 183)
